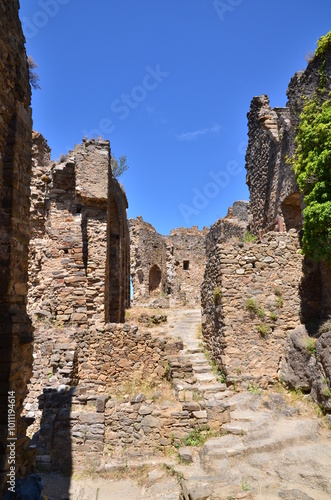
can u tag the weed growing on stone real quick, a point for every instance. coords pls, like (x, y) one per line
(198, 437)
(217, 295)
(249, 238)
(327, 392)
(263, 329)
(273, 316)
(279, 302)
(199, 331)
(254, 389)
(324, 328)
(245, 486)
(310, 346)
(253, 307)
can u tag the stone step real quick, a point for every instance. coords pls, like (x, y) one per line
(243, 415)
(208, 389)
(236, 428)
(225, 395)
(291, 432)
(201, 368)
(205, 377)
(193, 350)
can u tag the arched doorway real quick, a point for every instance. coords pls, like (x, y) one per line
(155, 276)
(292, 212)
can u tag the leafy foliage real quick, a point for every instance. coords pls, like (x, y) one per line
(119, 166)
(323, 44)
(312, 166)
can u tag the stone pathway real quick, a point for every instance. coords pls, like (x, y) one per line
(265, 448)
(269, 450)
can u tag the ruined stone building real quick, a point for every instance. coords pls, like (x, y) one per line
(15, 169)
(166, 266)
(257, 292)
(79, 248)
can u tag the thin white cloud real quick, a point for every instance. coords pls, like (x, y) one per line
(192, 136)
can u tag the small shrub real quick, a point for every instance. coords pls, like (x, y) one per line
(249, 238)
(278, 291)
(245, 486)
(62, 158)
(325, 327)
(217, 295)
(310, 346)
(253, 306)
(195, 438)
(279, 302)
(263, 329)
(326, 392)
(254, 389)
(273, 316)
(310, 56)
(33, 76)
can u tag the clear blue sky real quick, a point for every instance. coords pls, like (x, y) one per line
(169, 83)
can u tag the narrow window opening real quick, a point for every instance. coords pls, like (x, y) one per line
(186, 265)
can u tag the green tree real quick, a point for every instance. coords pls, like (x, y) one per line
(312, 166)
(119, 166)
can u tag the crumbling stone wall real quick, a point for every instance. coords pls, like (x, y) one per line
(271, 132)
(273, 190)
(15, 168)
(169, 266)
(88, 396)
(250, 301)
(79, 251)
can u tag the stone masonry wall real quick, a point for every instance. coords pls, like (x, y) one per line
(273, 190)
(79, 251)
(250, 301)
(96, 393)
(15, 168)
(169, 266)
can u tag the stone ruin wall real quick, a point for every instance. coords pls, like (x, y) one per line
(258, 269)
(82, 356)
(78, 282)
(273, 190)
(15, 168)
(166, 266)
(268, 272)
(79, 249)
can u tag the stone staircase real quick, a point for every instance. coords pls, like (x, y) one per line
(268, 450)
(196, 386)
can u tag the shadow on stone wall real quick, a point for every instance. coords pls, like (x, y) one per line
(54, 439)
(310, 292)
